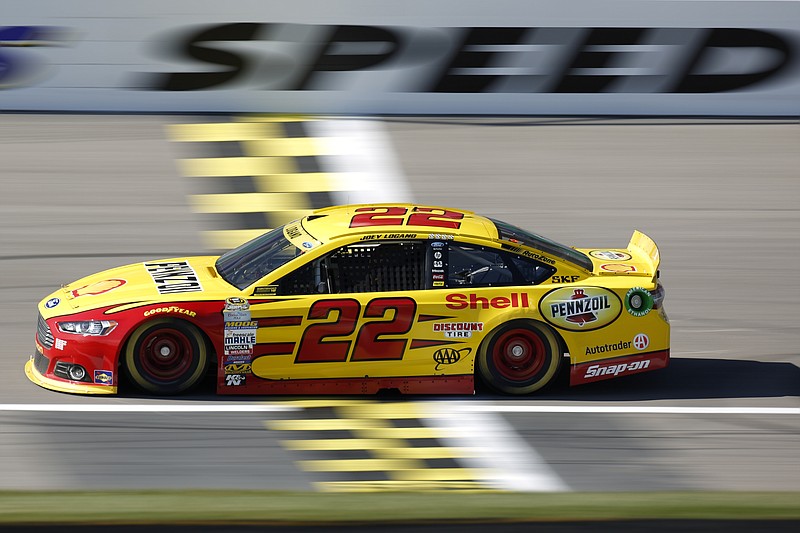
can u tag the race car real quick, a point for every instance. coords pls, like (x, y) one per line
(360, 299)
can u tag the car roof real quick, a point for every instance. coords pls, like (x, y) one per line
(332, 223)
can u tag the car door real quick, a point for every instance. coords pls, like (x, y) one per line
(351, 313)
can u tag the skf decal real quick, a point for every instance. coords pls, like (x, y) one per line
(460, 330)
(564, 279)
(174, 277)
(473, 301)
(99, 287)
(580, 308)
(449, 356)
(171, 309)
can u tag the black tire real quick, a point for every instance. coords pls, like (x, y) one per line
(166, 356)
(519, 357)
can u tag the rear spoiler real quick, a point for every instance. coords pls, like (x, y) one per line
(643, 248)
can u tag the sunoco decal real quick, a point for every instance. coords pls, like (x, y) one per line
(580, 308)
(174, 277)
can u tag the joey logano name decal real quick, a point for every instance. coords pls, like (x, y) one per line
(174, 277)
(580, 308)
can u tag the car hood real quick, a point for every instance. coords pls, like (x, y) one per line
(161, 280)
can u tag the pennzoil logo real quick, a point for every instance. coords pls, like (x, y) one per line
(449, 356)
(580, 308)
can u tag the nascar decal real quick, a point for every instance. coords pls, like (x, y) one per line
(580, 308)
(236, 310)
(174, 277)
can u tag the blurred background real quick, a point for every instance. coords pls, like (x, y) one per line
(125, 126)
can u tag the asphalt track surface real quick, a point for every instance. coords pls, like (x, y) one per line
(85, 193)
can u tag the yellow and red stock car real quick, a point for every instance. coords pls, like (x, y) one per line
(359, 299)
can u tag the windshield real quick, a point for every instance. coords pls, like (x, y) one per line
(243, 266)
(508, 232)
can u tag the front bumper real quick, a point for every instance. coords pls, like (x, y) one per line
(65, 386)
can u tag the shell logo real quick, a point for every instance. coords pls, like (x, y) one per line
(580, 308)
(98, 287)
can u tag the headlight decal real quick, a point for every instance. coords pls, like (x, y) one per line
(94, 328)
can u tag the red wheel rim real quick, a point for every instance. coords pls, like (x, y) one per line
(519, 354)
(166, 354)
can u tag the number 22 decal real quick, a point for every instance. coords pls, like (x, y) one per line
(316, 345)
(431, 217)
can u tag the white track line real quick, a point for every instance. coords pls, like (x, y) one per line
(150, 408)
(460, 406)
(629, 410)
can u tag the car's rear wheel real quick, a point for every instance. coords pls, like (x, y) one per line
(166, 356)
(519, 357)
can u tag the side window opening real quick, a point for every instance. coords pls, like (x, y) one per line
(369, 267)
(478, 266)
(532, 272)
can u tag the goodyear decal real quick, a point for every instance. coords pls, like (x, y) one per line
(580, 308)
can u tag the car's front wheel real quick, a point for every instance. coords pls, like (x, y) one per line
(166, 356)
(519, 357)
